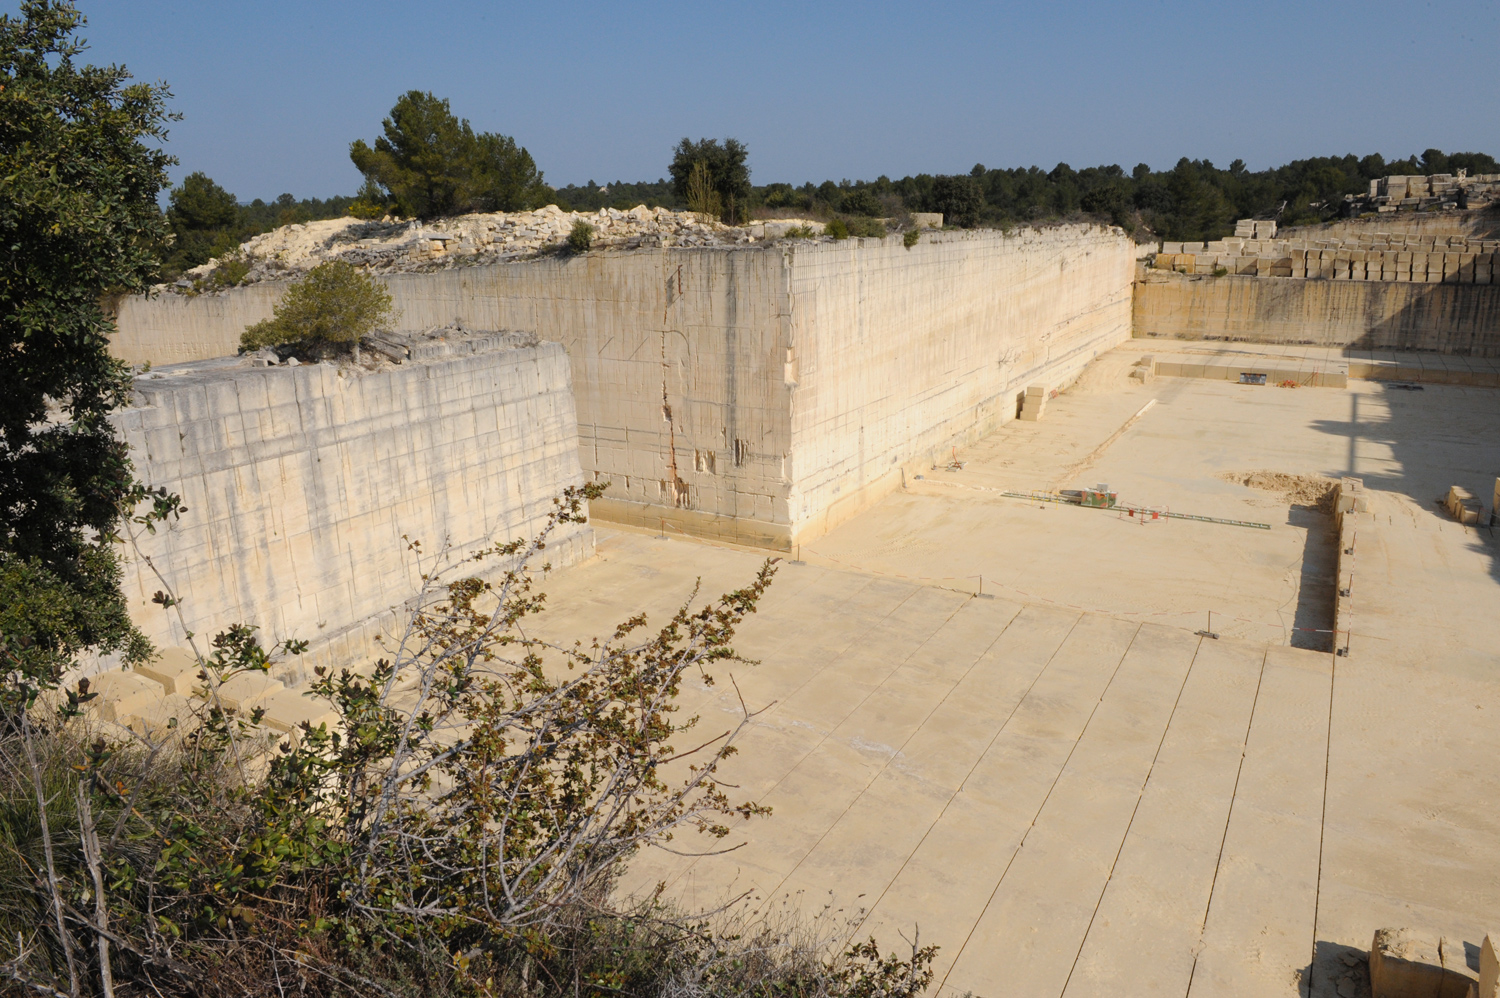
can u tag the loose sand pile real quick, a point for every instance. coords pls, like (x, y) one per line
(1298, 490)
(1106, 374)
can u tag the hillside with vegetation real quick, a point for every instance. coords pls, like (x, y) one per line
(428, 163)
(1194, 200)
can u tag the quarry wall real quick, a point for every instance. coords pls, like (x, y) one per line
(899, 355)
(1366, 314)
(301, 483)
(760, 393)
(168, 328)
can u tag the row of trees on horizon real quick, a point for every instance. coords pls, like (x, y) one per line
(428, 163)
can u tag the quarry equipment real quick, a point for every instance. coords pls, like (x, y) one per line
(1098, 497)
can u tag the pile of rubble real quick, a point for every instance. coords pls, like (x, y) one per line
(405, 245)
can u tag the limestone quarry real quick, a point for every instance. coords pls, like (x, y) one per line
(1135, 629)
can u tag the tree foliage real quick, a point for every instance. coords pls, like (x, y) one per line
(1194, 199)
(79, 221)
(205, 222)
(723, 178)
(329, 310)
(618, 194)
(208, 221)
(429, 163)
(960, 199)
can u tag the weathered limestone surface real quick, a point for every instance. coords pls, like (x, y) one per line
(167, 329)
(900, 354)
(1371, 315)
(301, 482)
(766, 392)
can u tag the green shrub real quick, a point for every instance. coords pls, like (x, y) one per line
(910, 239)
(837, 228)
(230, 272)
(582, 237)
(1220, 271)
(370, 202)
(702, 196)
(870, 228)
(326, 312)
(800, 232)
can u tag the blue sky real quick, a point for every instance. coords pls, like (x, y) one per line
(272, 93)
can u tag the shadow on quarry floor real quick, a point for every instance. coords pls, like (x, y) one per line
(1315, 593)
(1437, 436)
(1335, 965)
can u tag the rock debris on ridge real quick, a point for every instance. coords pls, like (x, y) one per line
(389, 245)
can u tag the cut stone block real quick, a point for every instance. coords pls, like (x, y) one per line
(121, 694)
(1489, 967)
(1035, 406)
(1462, 504)
(1412, 964)
(169, 712)
(1352, 498)
(247, 690)
(1405, 963)
(287, 709)
(176, 670)
(1456, 964)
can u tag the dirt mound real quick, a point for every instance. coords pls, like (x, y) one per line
(1106, 374)
(1299, 490)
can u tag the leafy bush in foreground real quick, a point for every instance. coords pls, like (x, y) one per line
(457, 831)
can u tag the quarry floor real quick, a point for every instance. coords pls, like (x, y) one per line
(1063, 785)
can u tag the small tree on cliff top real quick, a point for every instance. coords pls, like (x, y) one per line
(327, 311)
(709, 175)
(430, 163)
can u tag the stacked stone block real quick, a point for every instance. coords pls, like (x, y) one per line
(1380, 257)
(1391, 194)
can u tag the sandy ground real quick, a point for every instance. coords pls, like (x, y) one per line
(1062, 784)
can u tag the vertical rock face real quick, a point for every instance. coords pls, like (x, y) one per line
(901, 354)
(760, 393)
(303, 483)
(1370, 315)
